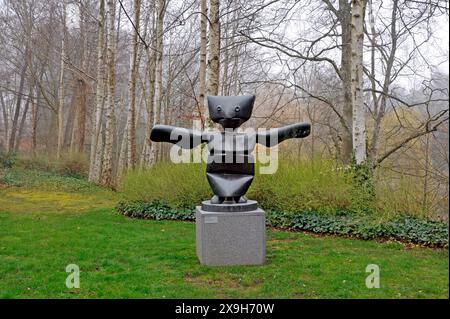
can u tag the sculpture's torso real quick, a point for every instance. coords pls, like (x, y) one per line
(230, 167)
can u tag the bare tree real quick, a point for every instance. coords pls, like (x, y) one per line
(81, 84)
(214, 48)
(159, 112)
(147, 152)
(131, 122)
(61, 84)
(201, 112)
(107, 177)
(359, 116)
(95, 166)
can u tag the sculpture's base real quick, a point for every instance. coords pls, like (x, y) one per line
(249, 205)
(231, 238)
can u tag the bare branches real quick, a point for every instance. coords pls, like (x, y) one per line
(291, 52)
(430, 126)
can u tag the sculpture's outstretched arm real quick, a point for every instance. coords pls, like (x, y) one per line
(278, 135)
(183, 137)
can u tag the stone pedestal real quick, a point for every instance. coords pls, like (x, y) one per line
(230, 237)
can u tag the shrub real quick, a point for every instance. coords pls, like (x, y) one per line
(37, 162)
(155, 210)
(301, 185)
(403, 193)
(297, 185)
(417, 229)
(71, 164)
(402, 228)
(179, 185)
(7, 159)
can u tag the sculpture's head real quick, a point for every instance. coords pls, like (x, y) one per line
(230, 111)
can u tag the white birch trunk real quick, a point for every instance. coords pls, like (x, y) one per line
(159, 112)
(95, 155)
(359, 123)
(146, 155)
(107, 178)
(202, 112)
(131, 120)
(61, 87)
(214, 48)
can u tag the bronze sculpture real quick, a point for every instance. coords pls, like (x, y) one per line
(230, 169)
(230, 230)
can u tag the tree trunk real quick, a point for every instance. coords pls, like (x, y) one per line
(34, 122)
(123, 149)
(234, 81)
(202, 111)
(347, 112)
(107, 172)
(226, 59)
(147, 152)
(81, 90)
(159, 113)
(131, 118)
(359, 123)
(122, 164)
(214, 48)
(79, 125)
(381, 110)
(61, 87)
(95, 159)
(425, 200)
(12, 135)
(5, 118)
(22, 123)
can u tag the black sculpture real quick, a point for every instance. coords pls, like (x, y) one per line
(230, 168)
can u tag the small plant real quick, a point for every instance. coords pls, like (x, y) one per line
(70, 164)
(73, 165)
(7, 159)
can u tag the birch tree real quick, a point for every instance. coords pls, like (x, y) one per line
(96, 145)
(79, 127)
(202, 112)
(5, 118)
(15, 120)
(359, 123)
(147, 152)
(159, 112)
(61, 85)
(214, 48)
(131, 122)
(107, 177)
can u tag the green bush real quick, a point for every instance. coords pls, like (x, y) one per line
(297, 185)
(7, 159)
(155, 210)
(179, 185)
(73, 165)
(70, 164)
(403, 228)
(301, 185)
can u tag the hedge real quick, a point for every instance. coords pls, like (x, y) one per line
(402, 228)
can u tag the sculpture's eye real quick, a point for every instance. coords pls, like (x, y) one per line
(237, 108)
(219, 108)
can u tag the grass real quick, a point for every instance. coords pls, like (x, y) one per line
(42, 230)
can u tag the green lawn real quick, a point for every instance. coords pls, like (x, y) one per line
(44, 228)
